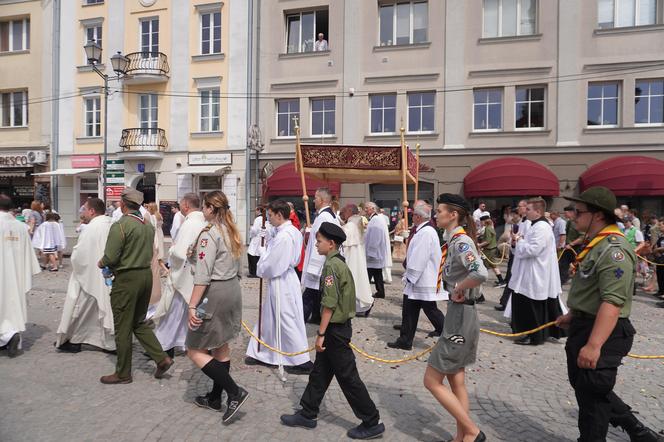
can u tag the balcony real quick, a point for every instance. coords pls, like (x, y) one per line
(143, 144)
(147, 67)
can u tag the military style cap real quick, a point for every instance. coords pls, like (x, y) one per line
(451, 199)
(484, 217)
(332, 232)
(132, 195)
(598, 197)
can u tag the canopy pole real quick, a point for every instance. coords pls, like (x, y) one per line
(417, 171)
(404, 169)
(300, 165)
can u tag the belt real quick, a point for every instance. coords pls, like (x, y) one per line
(582, 315)
(469, 302)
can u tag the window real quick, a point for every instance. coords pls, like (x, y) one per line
(383, 113)
(148, 111)
(149, 36)
(93, 34)
(15, 35)
(211, 33)
(322, 116)
(93, 2)
(92, 116)
(487, 109)
(421, 111)
(403, 23)
(508, 18)
(621, 13)
(529, 110)
(286, 111)
(649, 102)
(303, 30)
(603, 104)
(14, 109)
(210, 110)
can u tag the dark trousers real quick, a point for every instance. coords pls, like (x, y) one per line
(660, 276)
(377, 275)
(338, 361)
(564, 262)
(528, 314)
(507, 291)
(410, 315)
(598, 404)
(252, 262)
(130, 297)
(311, 304)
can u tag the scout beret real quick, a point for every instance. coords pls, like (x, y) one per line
(332, 232)
(569, 209)
(451, 199)
(484, 217)
(598, 197)
(132, 195)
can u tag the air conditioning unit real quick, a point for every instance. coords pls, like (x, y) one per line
(36, 157)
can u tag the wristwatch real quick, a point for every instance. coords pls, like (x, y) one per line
(318, 333)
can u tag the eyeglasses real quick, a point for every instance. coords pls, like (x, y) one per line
(579, 212)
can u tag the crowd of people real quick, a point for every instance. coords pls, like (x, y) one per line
(124, 284)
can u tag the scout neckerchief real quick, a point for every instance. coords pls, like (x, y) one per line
(609, 230)
(137, 216)
(444, 257)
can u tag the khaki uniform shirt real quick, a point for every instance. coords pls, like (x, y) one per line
(130, 243)
(212, 258)
(606, 274)
(571, 233)
(489, 236)
(338, 288)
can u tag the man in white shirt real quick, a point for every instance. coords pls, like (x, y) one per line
(178, 219)
(321, 44)
(354, 252)
(375, 248)
(256, 241)
(559, 229)
(519, 227)
(479, 213)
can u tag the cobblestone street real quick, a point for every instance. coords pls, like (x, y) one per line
(517, 393)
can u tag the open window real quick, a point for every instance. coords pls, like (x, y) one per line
(304, 29)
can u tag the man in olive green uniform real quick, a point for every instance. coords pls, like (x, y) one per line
(489, 245)
(573, 240)
(128, 255)
(600, 333)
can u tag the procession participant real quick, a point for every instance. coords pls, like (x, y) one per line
(421, 290)
(128, 254)
(171, 315)
(87, 317)
(519, 227)
(296, 223)
(600, 332)
(334, 357)
(178, 219)
(387, 270)
(313, 262)
(19, 264)
(489, 247)
(375, 248)
(157, 265)
(49, 239)
(535, 281)
(215, 308)
(353, 251)
(573, 241)
(462, 271)
(282, 318)
(255, 237)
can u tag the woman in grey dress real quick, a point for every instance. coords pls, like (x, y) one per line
(463, 272)
(215, 308)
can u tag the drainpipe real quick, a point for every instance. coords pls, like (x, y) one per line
(55, 104)
(247, 151)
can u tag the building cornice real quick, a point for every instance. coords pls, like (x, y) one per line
(304, 84)
(483, 73)
(433, 76)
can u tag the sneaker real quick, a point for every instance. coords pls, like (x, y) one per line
(298, 420)
(207, 402)
(641, 433)
(234, 403)
(363, 431)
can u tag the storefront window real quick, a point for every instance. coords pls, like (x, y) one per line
(208, 183)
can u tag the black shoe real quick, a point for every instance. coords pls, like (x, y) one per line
(659, 304)
(252, 361)
(171, 352)
(68, 347)
(480, 437)
(234, 403)
(298, 420)
(641, 433)
(434, 334)
(378, 296)
(500, 308)
(397, 326)
(12, 345)
(364, 432)
(302, 369)
(480, 300)
(400, 345)
(207, 402)
(524, 341)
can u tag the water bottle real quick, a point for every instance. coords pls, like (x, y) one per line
(108, 276)
(200, 311)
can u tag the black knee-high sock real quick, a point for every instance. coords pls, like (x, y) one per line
(217, 389)
(216, 371)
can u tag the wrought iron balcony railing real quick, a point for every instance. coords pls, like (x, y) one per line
(143, 140)
(153, 63)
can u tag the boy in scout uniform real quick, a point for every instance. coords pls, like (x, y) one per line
(600, 333)
(334, 357)
(128, 254)
(489, 245)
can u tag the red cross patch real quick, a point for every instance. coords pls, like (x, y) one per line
(201, 256)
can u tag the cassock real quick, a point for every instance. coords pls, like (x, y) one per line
(353, 251)
(171, 315)
(49, 236)
(18, 264)
(282, 313)
(387, 270)
(87, 317)
(178, 219)
(376, 244)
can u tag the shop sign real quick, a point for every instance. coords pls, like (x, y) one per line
(14, 161)
(85, 161)
(114, 191)
(202, 159)
(115, 165)
(115, 179)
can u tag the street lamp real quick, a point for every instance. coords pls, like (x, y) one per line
(119, 63)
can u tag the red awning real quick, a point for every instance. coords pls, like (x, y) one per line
(626, 176)
(511, 176)
(285, 181)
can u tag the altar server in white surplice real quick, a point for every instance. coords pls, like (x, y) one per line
(87, 317)
(387, 270)
(282, 324)
(353, 251)
(17, 265)
(171, 315)
(376, 244)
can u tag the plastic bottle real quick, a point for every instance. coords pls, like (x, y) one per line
(108, 276)
(200, 311)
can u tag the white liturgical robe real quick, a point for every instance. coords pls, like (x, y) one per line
(422, 264)
(254, 248)
(353, 251)
(282, 314)
(178, 219)
(18, 264)
(49, 235)
(313, 262)
(376, 243)
(87, 317)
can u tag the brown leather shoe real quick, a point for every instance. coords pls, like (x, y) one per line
(115, 379)
(163, 367)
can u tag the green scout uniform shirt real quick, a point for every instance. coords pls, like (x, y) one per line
(338, 288)
(130, 244)
(571, 234)
(489, 236)
(606, 274)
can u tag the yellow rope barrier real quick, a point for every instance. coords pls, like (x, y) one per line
(266, 345)
(650, 262)
(502, 258)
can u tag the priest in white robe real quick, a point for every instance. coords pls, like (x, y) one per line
(178, 219)
(353, 251)
(87, 317)
(313, 262)
(18, 264)
(282, 319)
(387, 270)
(171, 315)
(376, 244)
(535, 281)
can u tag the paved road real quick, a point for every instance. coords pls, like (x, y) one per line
(517, 393)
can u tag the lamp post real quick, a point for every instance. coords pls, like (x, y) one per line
(119, 63)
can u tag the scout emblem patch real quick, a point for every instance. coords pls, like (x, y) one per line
(619, 272)
(474, 267)
(204, 242)
(470, 256)
(329, 281)
(201, 256)
(457, 339)
(618, 256)
(462, 247)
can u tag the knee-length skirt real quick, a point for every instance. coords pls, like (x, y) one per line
(457, 346)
